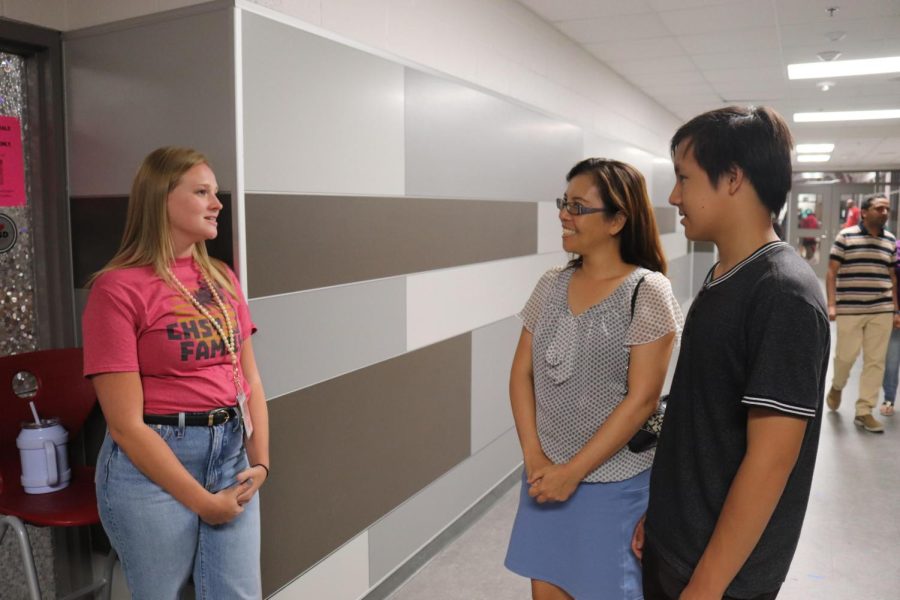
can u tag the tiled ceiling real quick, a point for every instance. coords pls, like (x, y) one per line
(694, 55)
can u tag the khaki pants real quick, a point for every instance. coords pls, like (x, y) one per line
(871, 333)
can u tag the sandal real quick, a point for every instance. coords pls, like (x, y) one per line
(887, 409)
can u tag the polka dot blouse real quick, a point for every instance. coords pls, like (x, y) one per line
(581, 362)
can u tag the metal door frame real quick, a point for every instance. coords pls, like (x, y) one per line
(832, 219)
(55, 305)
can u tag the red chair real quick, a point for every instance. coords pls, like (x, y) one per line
(62, 392)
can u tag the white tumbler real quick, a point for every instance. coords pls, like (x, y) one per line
(45, 462)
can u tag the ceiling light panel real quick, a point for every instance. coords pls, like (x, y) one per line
(844, 68)
(814, 148)
(846, 115)
(813, 158)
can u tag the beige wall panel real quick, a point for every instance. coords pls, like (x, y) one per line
(349, 450)
(301, 242)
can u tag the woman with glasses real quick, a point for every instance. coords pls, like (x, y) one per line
(587, 373)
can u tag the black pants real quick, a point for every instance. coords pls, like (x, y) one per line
(662, 582)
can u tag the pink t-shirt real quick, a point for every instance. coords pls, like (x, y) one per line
(135, 322)
(852, 217)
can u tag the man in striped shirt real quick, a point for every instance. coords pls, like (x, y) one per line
(862, 298)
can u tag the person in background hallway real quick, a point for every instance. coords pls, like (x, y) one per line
(862, 297)
(852, 214)
(734, 465)
(892, 360)
(587, 373)
(810, 244)
(167, 345)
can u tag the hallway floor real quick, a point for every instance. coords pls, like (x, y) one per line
(849, 549)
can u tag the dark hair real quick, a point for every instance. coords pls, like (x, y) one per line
(868, 201)
(754, 138)
(622, 189)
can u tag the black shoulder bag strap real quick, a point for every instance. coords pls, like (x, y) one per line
(646, 436)
(634, 293)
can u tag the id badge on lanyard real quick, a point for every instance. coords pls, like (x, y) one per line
(245, 413)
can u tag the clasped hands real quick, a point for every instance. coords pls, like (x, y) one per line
(550, 482)
(224, 505)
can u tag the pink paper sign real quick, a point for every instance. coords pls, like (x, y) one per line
(12, 163)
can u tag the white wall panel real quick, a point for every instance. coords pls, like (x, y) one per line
(703, 262)
(307, 337)
(681, 277)
(319, 117)
(462, 142)
(493, 348)
(442, 304)
(601, 147)
(342, 575)
(674, 245)
(663, 181)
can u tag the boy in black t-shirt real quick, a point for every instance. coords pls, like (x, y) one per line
(733, 468)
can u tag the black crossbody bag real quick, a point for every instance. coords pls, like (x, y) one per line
(647, 436)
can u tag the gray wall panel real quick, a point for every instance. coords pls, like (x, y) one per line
(395, 537)
(466, 143)
(309, 337)
(131, 90)
(303, 242)
(493, 348)
(666, 218)
(318, 116)
(349, 450)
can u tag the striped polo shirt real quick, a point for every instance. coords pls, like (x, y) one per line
(864, 277)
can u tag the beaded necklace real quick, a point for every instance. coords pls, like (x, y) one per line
(229, 339)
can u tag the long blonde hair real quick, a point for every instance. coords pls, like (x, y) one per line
(147, 240)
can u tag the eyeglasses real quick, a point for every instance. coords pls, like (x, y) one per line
(577, 209)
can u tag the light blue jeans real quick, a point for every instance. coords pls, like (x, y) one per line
(891, 367)
(160, 542)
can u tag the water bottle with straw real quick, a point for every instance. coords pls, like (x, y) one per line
(43, 451)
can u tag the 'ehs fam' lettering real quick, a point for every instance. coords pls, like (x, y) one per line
(193, 329)
(209, 345)
(202, 350)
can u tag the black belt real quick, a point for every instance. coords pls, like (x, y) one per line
(195, 419)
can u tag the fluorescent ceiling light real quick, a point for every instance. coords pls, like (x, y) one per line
(846, 115)
(844, 68)
(814, 158)
(662, 161)
(814, 148)
(638, 151)
(812, 175)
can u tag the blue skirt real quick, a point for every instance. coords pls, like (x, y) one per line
(582, 545)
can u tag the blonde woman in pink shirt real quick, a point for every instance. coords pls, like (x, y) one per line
(167, 346)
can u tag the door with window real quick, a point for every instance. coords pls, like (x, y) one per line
(812, 216)
(818, 212)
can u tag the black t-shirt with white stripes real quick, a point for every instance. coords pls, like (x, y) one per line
(755, 337)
